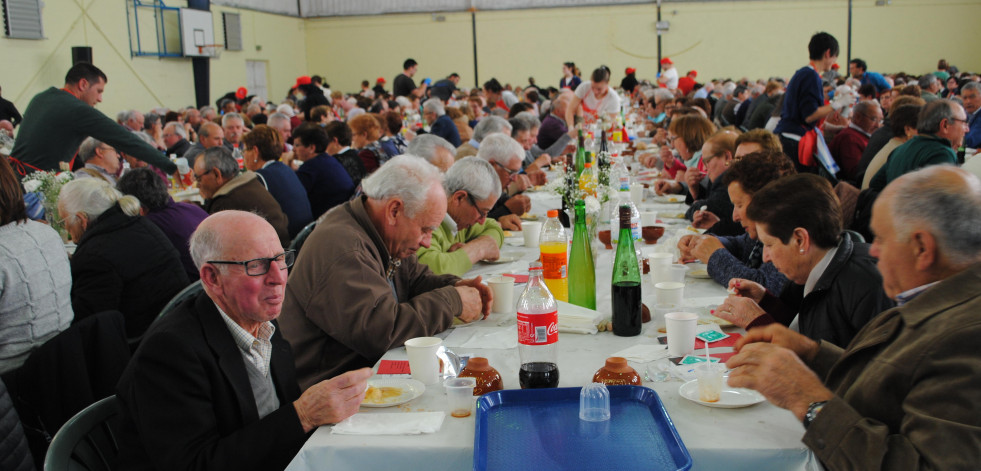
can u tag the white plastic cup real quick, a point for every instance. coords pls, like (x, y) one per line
(531, 230)
(637, 194)
(660, 310)
(423, 362)
(660, 258)
(648, 218)
(459, 396)
(681, 332)
(709, 377)
(669, 292)
(668, 273)
(503, 289)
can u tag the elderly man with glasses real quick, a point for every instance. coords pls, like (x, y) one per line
(101, 161)
(224, 187)
(466, 236)
(212, 385)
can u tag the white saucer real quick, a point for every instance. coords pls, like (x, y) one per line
(411, 389)
(730, 398)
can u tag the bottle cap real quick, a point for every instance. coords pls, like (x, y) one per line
(589, 165)
(553, 213)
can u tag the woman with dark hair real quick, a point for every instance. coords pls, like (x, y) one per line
(741, 256)
(261, 151)
(595, 97)
(35, 278)
(570, 78)
(835, 286)
(176, 220)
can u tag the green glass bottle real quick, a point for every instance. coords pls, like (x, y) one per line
(580, 162)
(626, 282)
(582, 273)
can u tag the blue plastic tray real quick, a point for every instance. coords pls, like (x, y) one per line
(539, 429)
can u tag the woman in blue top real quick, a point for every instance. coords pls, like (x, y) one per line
(570, 76)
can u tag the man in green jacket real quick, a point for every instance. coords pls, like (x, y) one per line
(942, 125)
(466, 235)
(58, 120)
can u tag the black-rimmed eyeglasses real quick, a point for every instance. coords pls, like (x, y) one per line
(473, 202)
(260, 266)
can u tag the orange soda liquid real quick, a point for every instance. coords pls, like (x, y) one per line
(555, 269)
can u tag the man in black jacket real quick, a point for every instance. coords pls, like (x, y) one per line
(9, 112)
(213, 386)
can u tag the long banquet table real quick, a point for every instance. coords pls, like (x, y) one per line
(756, 437)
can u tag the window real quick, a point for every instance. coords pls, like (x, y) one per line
(233, 31)
(22, 19)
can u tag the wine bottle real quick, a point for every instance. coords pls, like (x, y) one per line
(582, 273)
(626, 282)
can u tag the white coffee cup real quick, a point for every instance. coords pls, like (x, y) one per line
(531, 230)
(669, 292)
(503, 289)
(648, 218)
(423, 362)
(681, 332)
(637, 194)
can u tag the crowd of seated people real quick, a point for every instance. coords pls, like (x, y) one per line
(411, 187)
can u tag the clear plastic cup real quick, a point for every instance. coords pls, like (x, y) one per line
(594, 403)
(459, 394)
(709, 381)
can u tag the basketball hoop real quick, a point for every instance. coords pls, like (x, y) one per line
(209, 50)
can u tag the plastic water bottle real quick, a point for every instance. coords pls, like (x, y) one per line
(538, 333)
(554, 245)
(623, 198)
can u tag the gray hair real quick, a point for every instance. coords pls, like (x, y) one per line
(178, 128)
(951, 213)
(500, 148)
(729, 88)
(434, 105)
(403, 102)
(86, 151)
(131, 114)
(933, 114)
(490, 125)
(926, 80)
(971, 86)
(473, 175)
(406, 177)
(221, 158)
(425, 146)
(205, 126)
(230, 116)
(661, 94)
(866, 106)
(205, 245)
(524, 121)
(93, 196)
(276, 119)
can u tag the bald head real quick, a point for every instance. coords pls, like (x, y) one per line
(221, 233)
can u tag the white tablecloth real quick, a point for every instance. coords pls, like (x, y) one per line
(758, 437)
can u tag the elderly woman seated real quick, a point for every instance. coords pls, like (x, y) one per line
(835, 286)
(741, 256)
(177, 220)
(261, 151)
(123, 262)
(686, 135)
(365, 132)
(35, 279)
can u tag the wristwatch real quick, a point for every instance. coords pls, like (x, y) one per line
(812, 412)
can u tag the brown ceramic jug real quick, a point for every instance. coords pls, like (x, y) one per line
(617, 372)
(488, 379)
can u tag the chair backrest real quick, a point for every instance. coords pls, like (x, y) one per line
(88, 440)
(188, 292)
(302, 236)
(853, 235)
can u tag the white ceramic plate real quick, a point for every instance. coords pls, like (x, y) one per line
(411, 389)
(698, 270)
(669, 199)
(731, 398)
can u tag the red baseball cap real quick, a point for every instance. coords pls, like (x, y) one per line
(380, 80)
(834, 66)
(303, 80)
(693, 73)
(666, 60)
(631, 70)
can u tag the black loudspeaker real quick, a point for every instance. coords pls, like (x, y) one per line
(81, 54)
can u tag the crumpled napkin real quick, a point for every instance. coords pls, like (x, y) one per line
(483, 337)
(400, 423)
(643, 353)
(576, 319)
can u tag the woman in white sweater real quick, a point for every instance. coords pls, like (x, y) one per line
(35, 278)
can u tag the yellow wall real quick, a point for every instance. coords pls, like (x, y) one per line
(30, 66)
(750, 38)
(735, 39)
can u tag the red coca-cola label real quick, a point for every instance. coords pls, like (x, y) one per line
(538, 329)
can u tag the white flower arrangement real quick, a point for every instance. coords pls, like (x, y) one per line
(48, 186)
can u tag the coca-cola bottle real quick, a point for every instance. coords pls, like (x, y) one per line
(538, 332)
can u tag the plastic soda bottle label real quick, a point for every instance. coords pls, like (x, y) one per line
(554, 265)
(538, 329)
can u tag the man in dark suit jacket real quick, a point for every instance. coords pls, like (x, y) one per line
(212, 386)
(440, 123)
